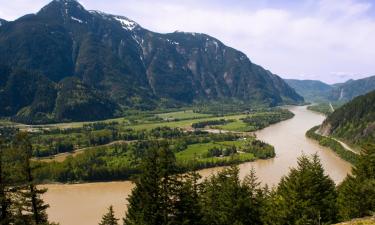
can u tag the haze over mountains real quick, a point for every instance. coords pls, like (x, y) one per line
(65, 61)
(317, 91)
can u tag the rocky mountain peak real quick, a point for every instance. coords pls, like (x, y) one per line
(67, 9)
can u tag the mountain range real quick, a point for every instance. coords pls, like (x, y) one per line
(317, 91)
(66, 63)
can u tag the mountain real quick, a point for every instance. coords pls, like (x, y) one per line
(2, 21)
(64, 61)
(317, 91)
(352, 88)
(311, 90)
(354, 121)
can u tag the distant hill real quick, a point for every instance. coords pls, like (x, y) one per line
(354, 121)
(351, 89)
(311, 90)
(69, 64)
(317, 91)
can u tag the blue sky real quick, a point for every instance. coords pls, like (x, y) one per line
(329, 40)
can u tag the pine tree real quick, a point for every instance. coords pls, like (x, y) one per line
(150, 201)
(356, 194)
(187, 208)
(225, 200)
(28, 205)
(109, 218)
(163, 195)
(305, 196)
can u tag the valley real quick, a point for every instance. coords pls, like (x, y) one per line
(106, 121)
(288, 138)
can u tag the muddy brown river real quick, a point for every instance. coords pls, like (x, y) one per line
(84, 204)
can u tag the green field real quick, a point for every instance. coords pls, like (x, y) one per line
(182, 115)
(237, 125)
(182, 123)
(200, 150)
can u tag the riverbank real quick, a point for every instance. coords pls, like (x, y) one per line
(332, 144)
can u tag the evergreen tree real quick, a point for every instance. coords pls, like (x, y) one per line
(150, 201)
(225, 200)
(109, 218)
(28, 206)
(305, 196)
(162, 195)
(187, 208)
(356, 195)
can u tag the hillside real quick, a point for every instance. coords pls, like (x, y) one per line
(65, 61)
(352, 88)
(354, 121)
(311, 90)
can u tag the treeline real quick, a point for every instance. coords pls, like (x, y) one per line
(332, 144)
(262, 120)
(20, 199)
(204, 124)
(306, 195)
(52, 142)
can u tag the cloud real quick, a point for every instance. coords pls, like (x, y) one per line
(306, 39)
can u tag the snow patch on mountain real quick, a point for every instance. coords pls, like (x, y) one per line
(126, 23)
(76, 19)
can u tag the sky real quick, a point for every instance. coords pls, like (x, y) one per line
(328, 40)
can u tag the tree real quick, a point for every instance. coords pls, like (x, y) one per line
(162, 194)
(356, 195)
(109, 218)
(187, 207)
(225, 200)
(150, 201)
(305, 196)
(28, 207)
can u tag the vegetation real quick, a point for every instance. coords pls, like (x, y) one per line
(109, 218)
(356, 196)
(332, 144)
(203, 124)
(354, 121)
(260, 121)
(166, 194)
(51, 140)
(20, 199)
(305, 196)
(311, 90)
(324, 108)
(119, 161)
(108, 78)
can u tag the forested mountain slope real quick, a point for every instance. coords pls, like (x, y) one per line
(354, 121)
(352, 88)
(311, 90)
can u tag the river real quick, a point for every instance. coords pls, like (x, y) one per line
(84, 204)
